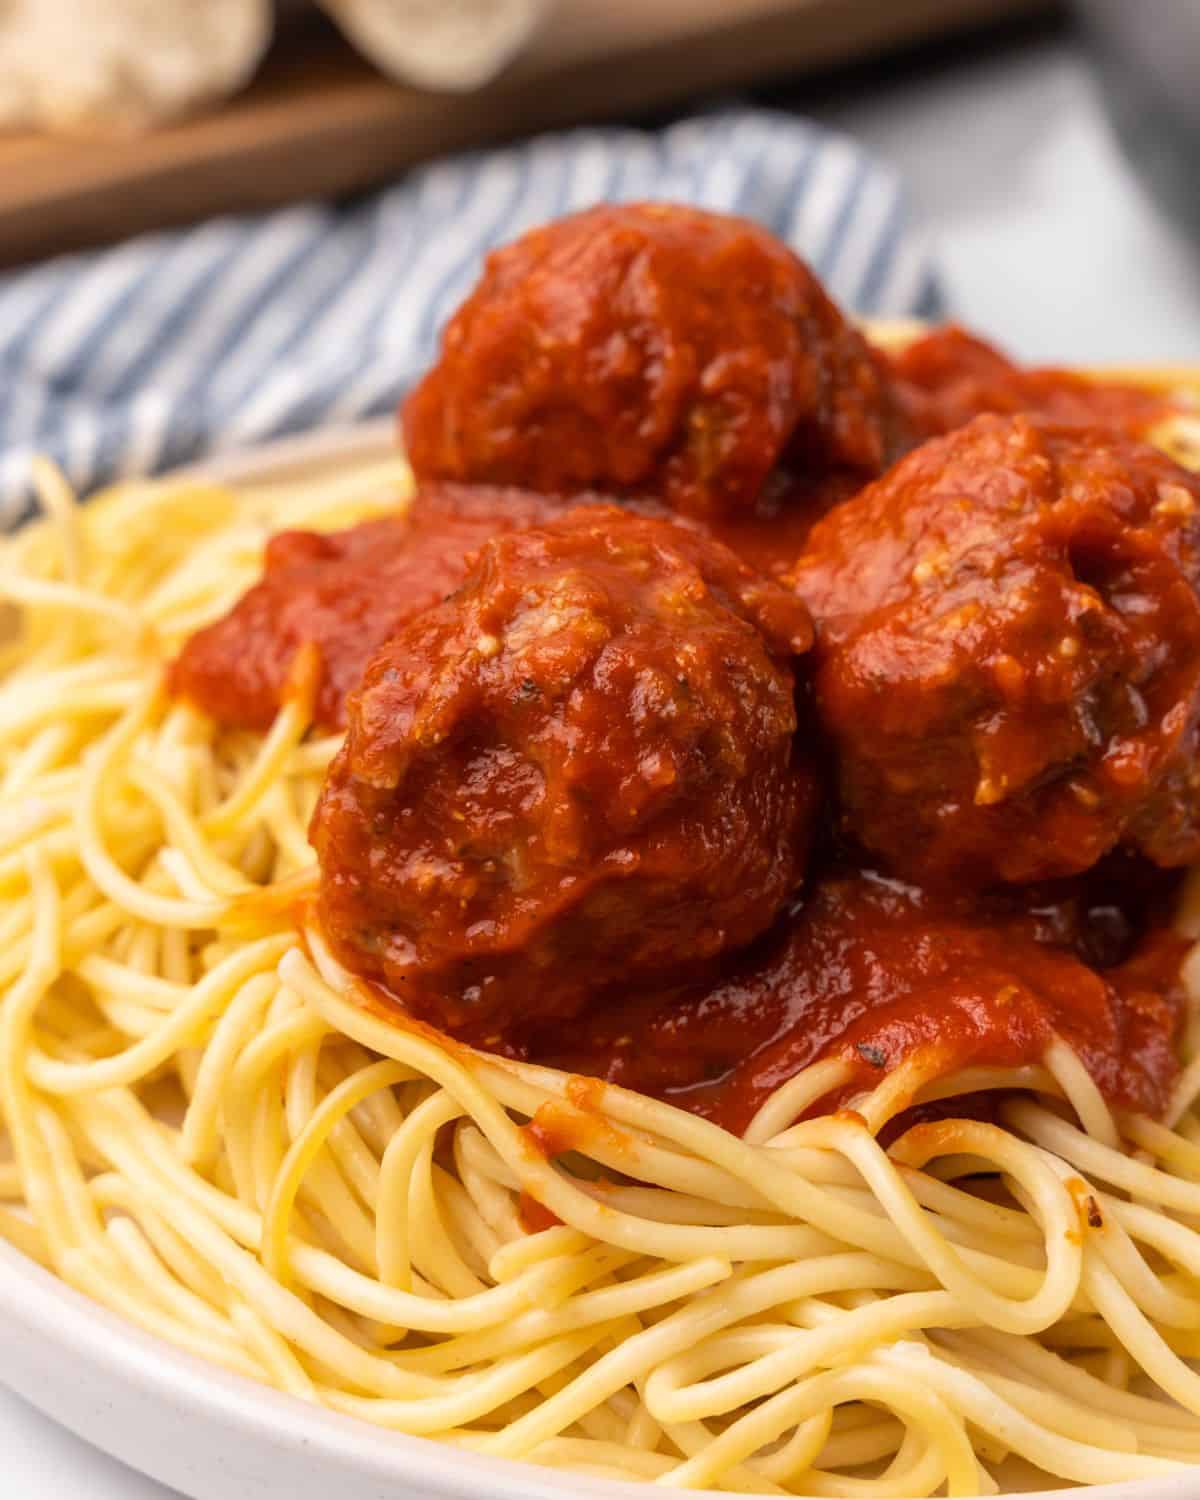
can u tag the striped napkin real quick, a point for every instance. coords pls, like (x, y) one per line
(137, 358)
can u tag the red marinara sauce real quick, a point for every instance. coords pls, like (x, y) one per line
(873, 971)
(346, 592)
(949, 376)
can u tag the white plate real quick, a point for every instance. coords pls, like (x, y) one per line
(216, 1436)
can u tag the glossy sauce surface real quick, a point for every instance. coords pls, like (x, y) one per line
(346, 592)
(858, 964)
(949, 376)
(871, 970)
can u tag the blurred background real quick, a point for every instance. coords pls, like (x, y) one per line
(1053, 231)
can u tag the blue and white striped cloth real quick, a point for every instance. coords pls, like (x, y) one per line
(133, 359)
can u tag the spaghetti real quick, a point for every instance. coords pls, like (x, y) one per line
(212, 1134)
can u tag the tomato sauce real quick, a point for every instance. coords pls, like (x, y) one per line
(873, 971)
(772, 535)
(346, 592)
(535, 1216)
(575, 1124)
(865, 968)
(950, 376)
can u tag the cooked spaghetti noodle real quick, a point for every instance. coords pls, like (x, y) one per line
(211, 1133)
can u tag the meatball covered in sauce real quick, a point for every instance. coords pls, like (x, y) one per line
(1009, 653)
(344, 592)
(650, 349)
(579, 772)
(948, 376)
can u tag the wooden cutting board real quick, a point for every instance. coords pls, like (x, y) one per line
(319, 121)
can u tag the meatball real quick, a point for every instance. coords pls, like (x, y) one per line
(1008, 656)
(650, 349)
(949, 376)
(581, 771)
(346, 592)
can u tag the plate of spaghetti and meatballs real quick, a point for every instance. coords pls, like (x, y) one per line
(637, 929)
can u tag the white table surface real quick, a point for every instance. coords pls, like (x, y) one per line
(1045, 238)
(1045, 242)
